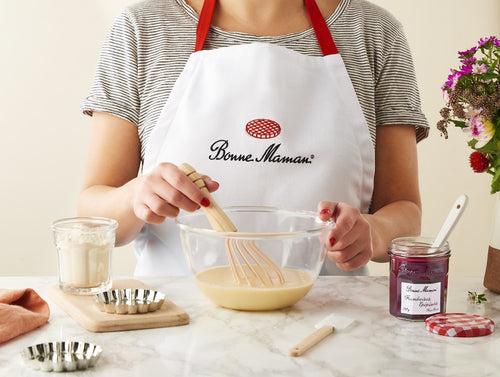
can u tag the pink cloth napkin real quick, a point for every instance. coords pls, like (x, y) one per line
(21, 310)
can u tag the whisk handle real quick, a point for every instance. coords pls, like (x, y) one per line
(215, 215)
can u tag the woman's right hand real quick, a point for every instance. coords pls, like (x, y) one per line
(165, 191)
(115, 190)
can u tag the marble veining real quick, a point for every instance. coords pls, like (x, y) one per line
(223, 342)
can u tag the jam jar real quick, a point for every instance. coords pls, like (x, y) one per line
(418, 278)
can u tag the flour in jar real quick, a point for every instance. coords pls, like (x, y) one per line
(84, 256)
(219, 285)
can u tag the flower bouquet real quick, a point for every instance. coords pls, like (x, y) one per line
(472, 96)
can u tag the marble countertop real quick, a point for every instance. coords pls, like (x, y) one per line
(223, 342)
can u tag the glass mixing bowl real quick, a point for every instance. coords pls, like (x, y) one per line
(295, 241)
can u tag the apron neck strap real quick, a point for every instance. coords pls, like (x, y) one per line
(320, 27)
(204, 22)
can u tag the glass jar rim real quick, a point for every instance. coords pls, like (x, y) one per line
(94, 223)
(418, 247)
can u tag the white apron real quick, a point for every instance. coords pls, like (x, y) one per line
(272, 126)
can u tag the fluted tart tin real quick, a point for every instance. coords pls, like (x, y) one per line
(129, 301)
(418, 278)
(61, 356)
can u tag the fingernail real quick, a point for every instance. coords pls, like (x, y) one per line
(332, 241)
(324, 211)
(205, 202)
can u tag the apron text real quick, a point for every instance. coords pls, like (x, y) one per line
(221, 152)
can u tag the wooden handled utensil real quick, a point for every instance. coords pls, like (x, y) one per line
(249, 265)
(323, 328)
(215, 215)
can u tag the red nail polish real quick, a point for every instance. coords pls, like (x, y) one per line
(332, 241)
(324, 211)
(205, 202)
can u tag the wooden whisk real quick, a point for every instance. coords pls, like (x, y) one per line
(247, 262)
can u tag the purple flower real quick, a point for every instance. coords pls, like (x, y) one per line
(466, 70)
(468, 60)
(472, 97)
(452, 80)
(483, 41)
(467, 53)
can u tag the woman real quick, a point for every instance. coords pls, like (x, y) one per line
(267, 107)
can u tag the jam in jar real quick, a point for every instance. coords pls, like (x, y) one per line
(418, 278)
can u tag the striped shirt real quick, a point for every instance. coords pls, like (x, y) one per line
(150, 42)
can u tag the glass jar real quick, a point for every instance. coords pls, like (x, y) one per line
(418, 278)
(84, 246)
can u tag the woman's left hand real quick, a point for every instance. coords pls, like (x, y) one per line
(350, 241)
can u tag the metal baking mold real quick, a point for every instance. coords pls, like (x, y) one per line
(62, 356)
(129, 301)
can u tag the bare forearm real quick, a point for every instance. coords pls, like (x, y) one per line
(397, 219)
(115, 203)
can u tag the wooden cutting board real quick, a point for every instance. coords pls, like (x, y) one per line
(83, 310)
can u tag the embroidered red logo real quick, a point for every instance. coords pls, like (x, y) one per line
(263, 128)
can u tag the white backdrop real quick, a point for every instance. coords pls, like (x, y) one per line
(48, 56)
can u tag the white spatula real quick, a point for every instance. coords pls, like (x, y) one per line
(455, 212)
(323, 328)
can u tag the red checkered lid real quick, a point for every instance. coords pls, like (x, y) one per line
(459, 324)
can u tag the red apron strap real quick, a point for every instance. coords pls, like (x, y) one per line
(204, 22)
(320, 27)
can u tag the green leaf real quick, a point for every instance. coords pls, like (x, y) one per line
(491, 147)
(495, 161)
(476, 298)
(496, 120)
(495, 183)
(481, 298)
(459, 123)
(488, 75)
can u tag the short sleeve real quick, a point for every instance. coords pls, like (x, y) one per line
(115, 88)
(397, 98)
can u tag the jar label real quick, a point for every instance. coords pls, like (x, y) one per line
(420, 298)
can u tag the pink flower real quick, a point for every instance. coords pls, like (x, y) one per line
(446, 96)
(479, 69)
(481, 129)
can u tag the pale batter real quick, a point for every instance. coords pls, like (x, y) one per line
(219, 285)
(84, 257)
